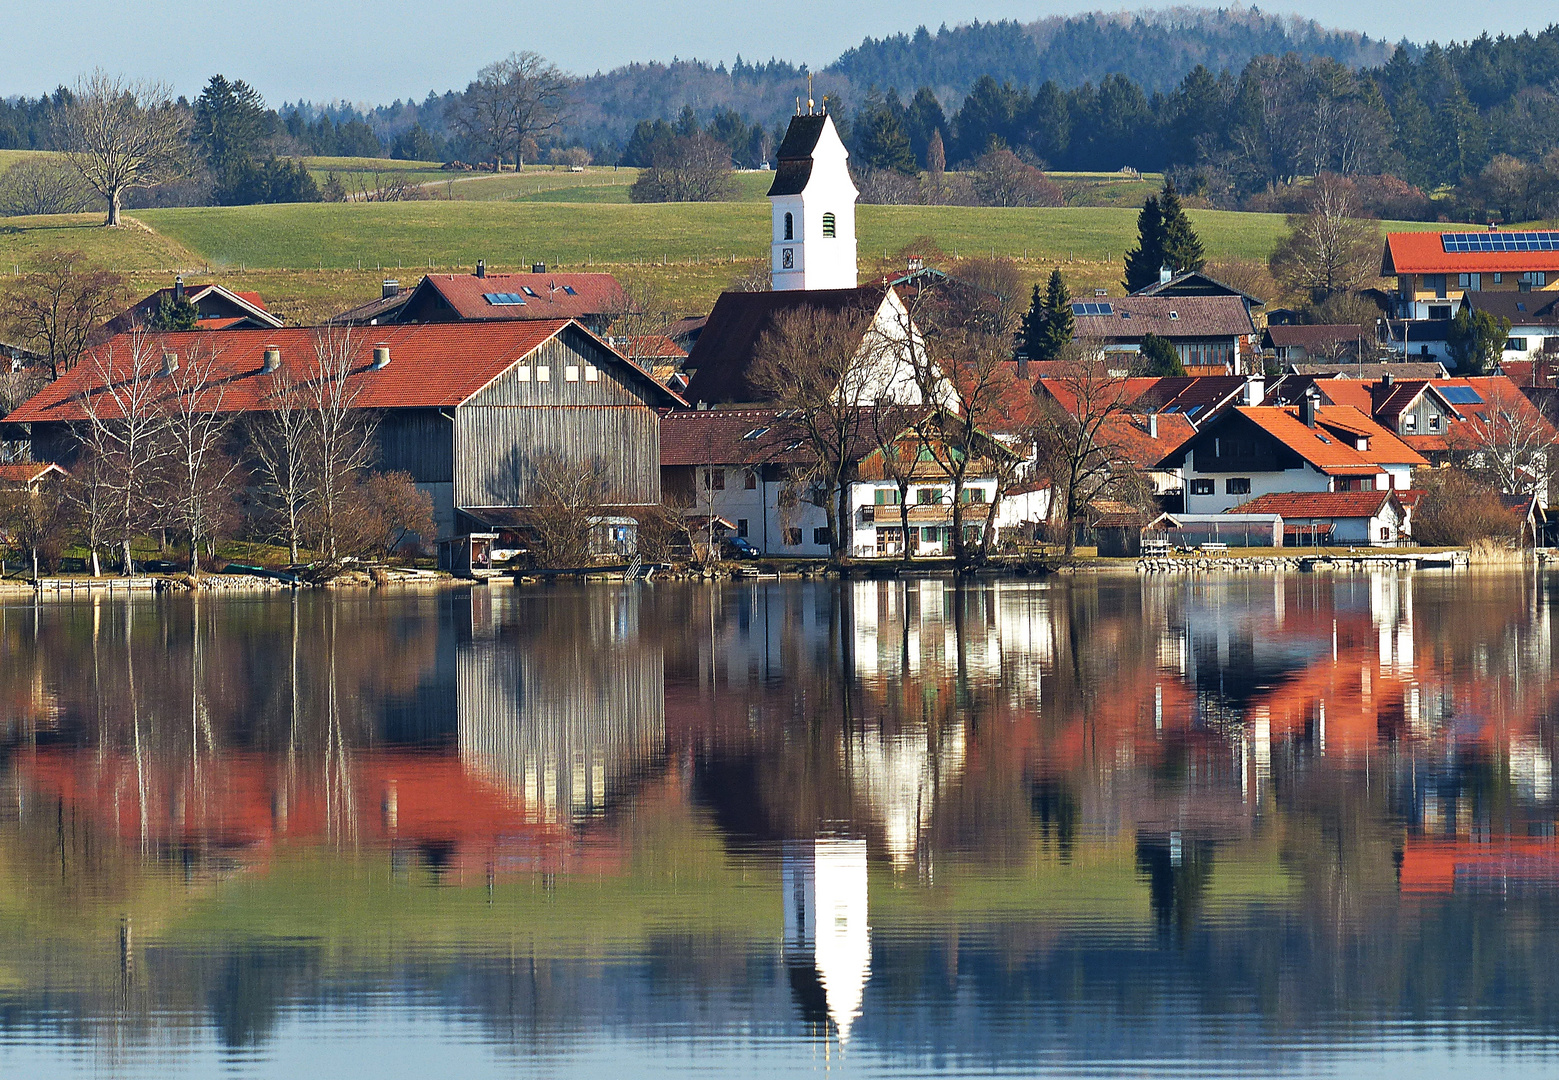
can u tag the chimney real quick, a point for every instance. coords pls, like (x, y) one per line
(390, 287)
(170, 363)
(538, 268)
(1387, 380)
(381, 356)
(1307, 406)
(481, 268)
(178, 289)
(1165, 274)
(1023, 366)
(1255, 391)
(272, 359)
(1152, 425)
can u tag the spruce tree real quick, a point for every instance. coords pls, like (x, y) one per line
(1056, 334)
(1144, 260)
(1182, 249)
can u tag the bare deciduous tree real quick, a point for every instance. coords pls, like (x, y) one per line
(123, 135)
(693, 168)
(195, 428)
(279, 440)
(343, 435)
(518, 98)
(123, 406)
(55, 308)
(40, 185)
(571, 498)
(1329, 249)
(1508, 442)
(33, 518)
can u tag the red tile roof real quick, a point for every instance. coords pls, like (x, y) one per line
(1317, 504)
(1128, 436)
(431, 365)
(1424, 253)
(1330, 446)
(549, 295)
(26, 472)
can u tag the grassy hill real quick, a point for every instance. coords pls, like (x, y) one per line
(315, 258)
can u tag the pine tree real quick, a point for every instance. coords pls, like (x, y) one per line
(882, 143)
(1048, 326)
(1159, 358)
(1182, 248)
(1144, 260)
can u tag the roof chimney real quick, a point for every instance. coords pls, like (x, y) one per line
(1387, 380)
(381, 356)
(1307, 406)
(481, 268)
(1152, 425)
(272, 359)
(178, 289)
(538, 268)
(1255, 391)
(391, 287)
(1165, 274)
(170, 363)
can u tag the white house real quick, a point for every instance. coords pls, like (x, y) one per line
(1330, 518)
(1249, 452)
(813, 205)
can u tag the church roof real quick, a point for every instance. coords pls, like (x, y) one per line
(724, 353)
(794, 158)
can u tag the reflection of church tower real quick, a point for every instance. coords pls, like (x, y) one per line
(828, 948)
(813, 201)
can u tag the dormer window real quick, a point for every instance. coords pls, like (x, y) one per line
(790, 227)
(828, 225)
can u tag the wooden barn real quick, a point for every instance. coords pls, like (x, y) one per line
(470, 410)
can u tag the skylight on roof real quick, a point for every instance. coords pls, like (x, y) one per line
(1460, 395)
(501, 299)
(570, 290)
(755, 433)
(1471, 243)
(529, 291)
(1092, 309)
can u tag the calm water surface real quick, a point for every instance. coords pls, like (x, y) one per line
(1300, 825)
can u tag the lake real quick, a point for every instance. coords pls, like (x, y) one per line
(1189, 826)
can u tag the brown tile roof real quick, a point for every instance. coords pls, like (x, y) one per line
(374, 310)
(1521, 308)
(250, 306)
(1133, 317)
(654, 347)
(1317, 504)
(545, 296)
(431, 365)
(1316, 336)
(731, 437)
(723, 355)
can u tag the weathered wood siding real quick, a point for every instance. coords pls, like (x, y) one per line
(418, 441)
(520, 420)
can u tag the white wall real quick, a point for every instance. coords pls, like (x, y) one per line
(1267, 483)
(819, 262)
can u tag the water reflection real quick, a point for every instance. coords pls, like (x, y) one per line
(897, 827)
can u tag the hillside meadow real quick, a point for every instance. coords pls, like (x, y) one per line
(312, 259)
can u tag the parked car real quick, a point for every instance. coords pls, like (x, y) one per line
(736, 547)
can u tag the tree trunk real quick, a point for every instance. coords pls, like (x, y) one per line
(97, 567)
(958, 521)
(840, 515)
(129, 563)
(194, 554)
(113, 208)
(904, 523)
(990, 524)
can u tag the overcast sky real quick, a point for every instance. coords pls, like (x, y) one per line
(373, 51)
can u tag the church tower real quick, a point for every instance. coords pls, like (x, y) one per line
(813, 200)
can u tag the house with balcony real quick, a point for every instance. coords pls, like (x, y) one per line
(1435, 270)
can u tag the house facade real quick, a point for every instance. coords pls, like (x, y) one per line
(1435, 270)
(1533, 318)
(216, 308)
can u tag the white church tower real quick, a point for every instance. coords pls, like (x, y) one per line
(813, 199)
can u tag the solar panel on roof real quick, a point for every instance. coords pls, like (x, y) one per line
(1460, 395)
(500, 299)
(1482, 242)
(1092, 309)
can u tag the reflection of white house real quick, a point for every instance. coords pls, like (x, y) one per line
(824, 885)
(565, 715)
(902, 776)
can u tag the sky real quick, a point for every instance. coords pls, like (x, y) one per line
(374, 51)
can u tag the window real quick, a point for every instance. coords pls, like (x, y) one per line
(1385, 533)
(974, 495)
(886, 496)
(792, 537)
(714, 479)
(522, 374)
(543, 373)
(571, 373)
(1435, 283)
(787, 496)
(592, 373)
(570, 290)
(1409, 424)
(755, 433)
(1516, 344)
(1201, 487)
(828, 225)
(820, 536)
(1535, 277)
(741, 527)
(928, 496)
(1174, 315)
(1438, 311)
(1237, 485)
(929, 535)
(790, 227)
(1434, 422)
(1499, 279)
(750, 481)
(530, 292)
(1469, 281)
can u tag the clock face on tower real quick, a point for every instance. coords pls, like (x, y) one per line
(787, 258)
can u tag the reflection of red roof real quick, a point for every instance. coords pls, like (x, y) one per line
(431, 365)
(1434, 865)
(1424, 253)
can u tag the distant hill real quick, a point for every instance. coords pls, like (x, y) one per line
(1156, 49)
